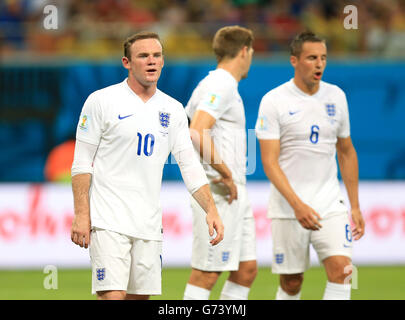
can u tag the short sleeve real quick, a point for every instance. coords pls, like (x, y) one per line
(344, 125)
(267, 124)
(215, 100)
(89, 128)
(180, 132)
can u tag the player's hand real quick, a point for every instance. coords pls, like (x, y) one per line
(231, 187)
(214, 222)
(359, 224)
(308, 217)
(80, 231)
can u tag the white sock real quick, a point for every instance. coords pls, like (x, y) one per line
(337, 291)
(234, 291)
(282, 295)
(196, 293)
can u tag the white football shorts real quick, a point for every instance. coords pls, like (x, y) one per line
(291, 253)
(239, 243)
(120, 262)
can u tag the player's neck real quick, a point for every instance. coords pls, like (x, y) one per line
(232, 68)
(142, 91)
(306, 88)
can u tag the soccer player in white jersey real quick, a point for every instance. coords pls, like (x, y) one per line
(218, 132)
(301, 125)
(124, 136)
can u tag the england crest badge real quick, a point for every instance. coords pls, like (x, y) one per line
(330, 109)
(100, 272)
(164, 119)
(279, 258)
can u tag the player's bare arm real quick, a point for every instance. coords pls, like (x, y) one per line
(349, 169)
(204, 198)
(80, 231)
(200, 125)
(306, 216)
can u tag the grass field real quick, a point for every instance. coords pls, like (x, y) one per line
(374, 283)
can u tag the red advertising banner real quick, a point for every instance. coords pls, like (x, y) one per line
(35, 222)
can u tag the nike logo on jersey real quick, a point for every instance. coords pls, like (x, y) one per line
(293, 112)
(120, 118)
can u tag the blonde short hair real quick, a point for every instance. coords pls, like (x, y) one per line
(228, 41)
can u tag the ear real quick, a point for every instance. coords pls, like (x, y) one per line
(244, 51)
(293, 61)
(125, 62)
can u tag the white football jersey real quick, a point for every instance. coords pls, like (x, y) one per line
(134, 140)
(308, 127)
(218, 95)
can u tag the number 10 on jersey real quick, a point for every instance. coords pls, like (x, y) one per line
(148, 143)
(314, 134)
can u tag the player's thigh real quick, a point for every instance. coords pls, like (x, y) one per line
(146, 268)
(203, 279)
(225, 255)
(111, 295)
(136, 297)
(110, 260)
(338, 268)
(246, 273)
(248, 240)
(334, 238)
(290, 247)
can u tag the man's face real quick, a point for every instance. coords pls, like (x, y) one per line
(248, 61)
(146, 61)
(311, 63)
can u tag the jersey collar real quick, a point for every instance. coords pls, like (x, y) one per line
(301, 93)
(226, 74)
(125, 85)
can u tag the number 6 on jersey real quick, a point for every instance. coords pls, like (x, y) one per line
(314, 134)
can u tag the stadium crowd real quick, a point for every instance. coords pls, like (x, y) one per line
(95, 28)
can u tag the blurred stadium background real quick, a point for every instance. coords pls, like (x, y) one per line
(46, 75)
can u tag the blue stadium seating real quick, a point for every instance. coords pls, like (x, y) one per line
(37, 114)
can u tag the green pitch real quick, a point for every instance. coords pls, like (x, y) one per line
(373, 283)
